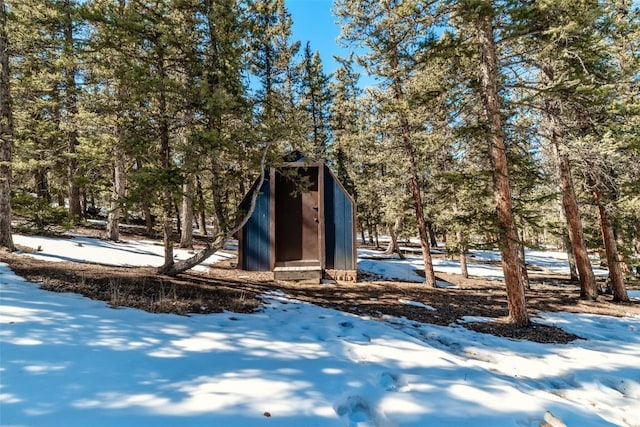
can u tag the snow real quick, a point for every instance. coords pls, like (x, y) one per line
(86, 249)
(484, 264)
(67, 360)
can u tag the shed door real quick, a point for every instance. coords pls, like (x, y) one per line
(296, 219)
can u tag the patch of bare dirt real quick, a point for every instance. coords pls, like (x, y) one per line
(225, 288)
(135, 287)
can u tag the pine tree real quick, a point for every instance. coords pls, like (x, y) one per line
(315, 100)
(110, 67)
(152, 39)
(625, 129)
(223, 132)
(271, 63)
(35, 29)
(392, 33)
(69, 117)
(344, 116)
(479, 18)
(572, 52)
(6, 134)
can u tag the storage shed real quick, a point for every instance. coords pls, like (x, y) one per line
(303, 225)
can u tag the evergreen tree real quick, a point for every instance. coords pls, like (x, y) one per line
(344, 117)
(223, 94)
(112, 66)
(478, 22)
(271, 63)
(572, 52)
(39, 159)
(224, 115)
(69, 116)
(392, 32)
(6, 134)
(315, 100)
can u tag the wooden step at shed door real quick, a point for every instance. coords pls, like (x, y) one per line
(307, 273)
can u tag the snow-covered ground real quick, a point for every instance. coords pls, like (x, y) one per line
(69, 361)
(479, 263)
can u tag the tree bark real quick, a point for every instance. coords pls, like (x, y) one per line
(165, 164)
(6, 135)
(216, 194)
(118, 185)
(524, 275)
(186, 236)
(117, 193)
(588, 287)
(566, 243)
(611, 248)
(571, 258)
(498, 156)
(202, 216)
(393, 246)
(432, 234)
(412, 173)
(462, 245)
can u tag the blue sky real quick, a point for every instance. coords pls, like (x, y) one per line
(313, 22)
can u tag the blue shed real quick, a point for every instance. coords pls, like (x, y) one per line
(303, 225)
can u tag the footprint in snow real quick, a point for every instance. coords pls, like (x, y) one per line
(393, 382)
(355, 411)
(346, 325)
(627, 388)
(350, 334)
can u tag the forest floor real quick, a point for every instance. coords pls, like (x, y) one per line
(224, 288)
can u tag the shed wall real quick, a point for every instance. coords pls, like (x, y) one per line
(338, 211)
(256, 242)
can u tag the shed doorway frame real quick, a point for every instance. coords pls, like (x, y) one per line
(297, 223)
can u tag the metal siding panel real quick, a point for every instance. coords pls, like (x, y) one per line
(256, 237)
(263, 234)
(329, 219)
(340, 229)
(348, 235)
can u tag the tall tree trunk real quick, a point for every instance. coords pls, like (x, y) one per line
(524, 275)
(588, 286)
(202, 215)
(461, 239)
(117, 193)
(568, 247)
(429, 273)
(393, 232)
(165, 164)
(501, 187)
(118, 174)
(412, 173)
(6, 135)
(216, 193)
(611, 248)
(42, 184)
(377, 236)
(571, 257)
(370, 230)
(186, 237)
(432, 234)
(71, 107)
(462, 245)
